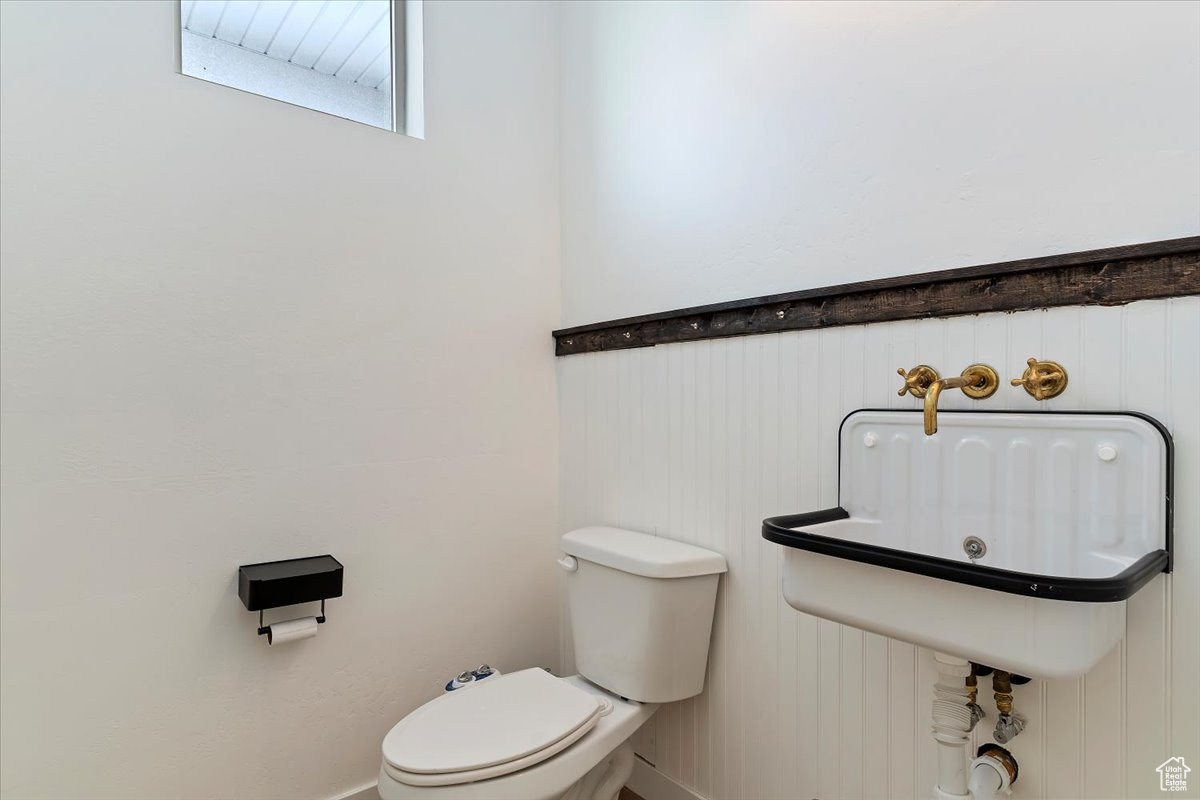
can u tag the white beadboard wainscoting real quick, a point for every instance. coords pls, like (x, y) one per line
(699, 442)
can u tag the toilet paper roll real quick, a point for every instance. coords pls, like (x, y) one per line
(291, 630)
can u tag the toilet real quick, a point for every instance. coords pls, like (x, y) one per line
(641, 616)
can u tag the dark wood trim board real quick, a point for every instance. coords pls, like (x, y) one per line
(1113, 276)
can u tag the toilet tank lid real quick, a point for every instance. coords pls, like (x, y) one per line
(641, 553)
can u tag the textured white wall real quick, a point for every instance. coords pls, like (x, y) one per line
(716, 150)
(236, 330)
(700, 441)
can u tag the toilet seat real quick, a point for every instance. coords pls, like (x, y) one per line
(490, 729)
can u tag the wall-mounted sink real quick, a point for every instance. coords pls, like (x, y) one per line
(1011, 539)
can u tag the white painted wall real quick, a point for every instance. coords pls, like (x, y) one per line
(236, 330)
(700, 441)
(716, 150)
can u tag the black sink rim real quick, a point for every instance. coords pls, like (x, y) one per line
(785, 530)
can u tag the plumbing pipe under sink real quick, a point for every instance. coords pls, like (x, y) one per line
(988, 781)
(992, 773)
(951, 726)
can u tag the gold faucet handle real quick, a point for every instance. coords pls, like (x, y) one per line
(1043, 379)
(917, 380)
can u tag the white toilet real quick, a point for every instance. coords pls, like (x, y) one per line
(641, 617)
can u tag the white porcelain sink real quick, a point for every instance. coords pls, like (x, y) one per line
(1073, 510)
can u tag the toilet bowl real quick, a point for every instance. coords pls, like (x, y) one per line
(592, 763)
(641, 617)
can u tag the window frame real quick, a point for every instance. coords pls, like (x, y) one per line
(407, 79)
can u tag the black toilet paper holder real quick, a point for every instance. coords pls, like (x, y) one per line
(272, 584)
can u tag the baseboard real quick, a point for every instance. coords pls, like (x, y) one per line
(650, 784)
(368, 792)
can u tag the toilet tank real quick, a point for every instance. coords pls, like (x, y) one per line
(641, 611)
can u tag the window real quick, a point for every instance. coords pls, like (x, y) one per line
(357, 59)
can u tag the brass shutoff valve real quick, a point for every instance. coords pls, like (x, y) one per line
(977, 712)
(1008, 725)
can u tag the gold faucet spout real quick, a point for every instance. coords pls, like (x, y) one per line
(977, 381)
(931, 400)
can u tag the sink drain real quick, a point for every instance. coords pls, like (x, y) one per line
(974, 547)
